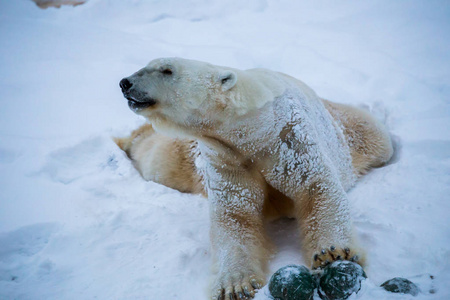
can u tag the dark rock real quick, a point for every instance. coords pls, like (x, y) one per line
(341, 279)
(292, 283)
(401, 285)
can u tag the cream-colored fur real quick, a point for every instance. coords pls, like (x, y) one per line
(266, 146)
(161, 159)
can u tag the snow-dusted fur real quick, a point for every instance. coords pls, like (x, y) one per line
(267, 147)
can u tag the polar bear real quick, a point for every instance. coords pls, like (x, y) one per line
(265, 146)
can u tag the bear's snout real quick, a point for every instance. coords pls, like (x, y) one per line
(137, 100)
(125, 85)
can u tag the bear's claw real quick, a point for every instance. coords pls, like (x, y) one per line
(327, 256)
(244, 290)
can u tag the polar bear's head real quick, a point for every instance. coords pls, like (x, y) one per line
(174, 92)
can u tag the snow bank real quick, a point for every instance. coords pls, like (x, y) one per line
(77, 221)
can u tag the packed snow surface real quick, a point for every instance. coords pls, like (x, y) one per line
(78, 222)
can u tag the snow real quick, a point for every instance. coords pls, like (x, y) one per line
(78, 222)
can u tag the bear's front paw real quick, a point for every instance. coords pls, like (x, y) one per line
(237, 287)
(328, 255)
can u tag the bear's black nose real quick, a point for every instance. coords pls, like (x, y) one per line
(125, 85)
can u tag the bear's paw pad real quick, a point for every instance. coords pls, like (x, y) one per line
(401, 285)
(292, 282)
(340, 279)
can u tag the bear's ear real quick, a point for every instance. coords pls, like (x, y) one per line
(227, 79)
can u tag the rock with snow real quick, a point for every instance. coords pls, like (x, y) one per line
(400, 285)
(340, 280)
(57, 3)
(292, 282)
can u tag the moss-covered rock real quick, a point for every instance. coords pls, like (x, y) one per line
(341, 279)
(292, 283)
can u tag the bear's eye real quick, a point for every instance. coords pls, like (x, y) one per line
(167, 71)
(225, 79)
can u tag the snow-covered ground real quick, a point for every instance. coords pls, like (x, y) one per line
(77, 221)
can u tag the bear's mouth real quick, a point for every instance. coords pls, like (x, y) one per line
(140, 104)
